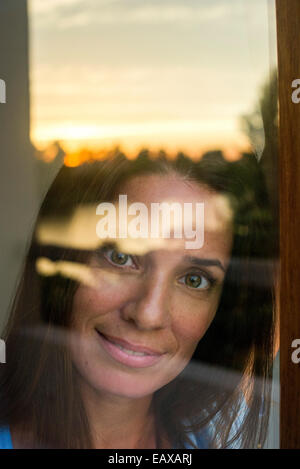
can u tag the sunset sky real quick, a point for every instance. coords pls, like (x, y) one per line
(158, 73)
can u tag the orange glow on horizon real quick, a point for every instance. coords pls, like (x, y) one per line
(191, 138)
(79, 157)
(76, 154)
(76, 158)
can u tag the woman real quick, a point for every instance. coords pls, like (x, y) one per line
(144, 343)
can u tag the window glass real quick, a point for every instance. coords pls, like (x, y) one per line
(140, 244)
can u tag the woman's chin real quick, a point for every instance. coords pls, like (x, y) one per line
(126, 388)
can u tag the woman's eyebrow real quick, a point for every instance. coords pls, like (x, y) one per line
(206, 262)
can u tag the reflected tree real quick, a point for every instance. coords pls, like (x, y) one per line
(261, 127)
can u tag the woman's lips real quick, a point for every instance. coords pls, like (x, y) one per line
(129, 354)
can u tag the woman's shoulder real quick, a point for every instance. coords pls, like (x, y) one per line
(204, 438)
(5, 438)
(195, 439)
(199, 440)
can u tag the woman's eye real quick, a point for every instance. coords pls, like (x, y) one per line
(196, 281)
(119, 258)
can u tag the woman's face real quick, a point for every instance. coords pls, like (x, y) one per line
(138, 327)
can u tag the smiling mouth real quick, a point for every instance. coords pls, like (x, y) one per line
(129, 354)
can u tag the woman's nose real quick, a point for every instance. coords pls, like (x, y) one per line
(149, 306)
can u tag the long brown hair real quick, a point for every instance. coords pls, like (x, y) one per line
(223, 393)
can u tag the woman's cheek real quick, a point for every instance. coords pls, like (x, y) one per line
(105, 298)
(192, 318)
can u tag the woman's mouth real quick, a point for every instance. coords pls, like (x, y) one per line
(135, 356)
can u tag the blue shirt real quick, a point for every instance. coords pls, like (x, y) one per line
(5, 438)
(6, 442)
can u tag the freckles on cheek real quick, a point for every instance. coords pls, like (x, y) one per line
(193, 318)
(191, 329)
(90, 302)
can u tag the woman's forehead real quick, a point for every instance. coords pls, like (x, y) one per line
(171, 186)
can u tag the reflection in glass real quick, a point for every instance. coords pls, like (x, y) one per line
(137, 341)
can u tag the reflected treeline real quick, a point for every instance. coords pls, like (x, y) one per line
(261, 128)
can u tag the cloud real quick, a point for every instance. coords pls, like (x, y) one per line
(41, 8)
(147, 15)
(75, 13)
(129, 94)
